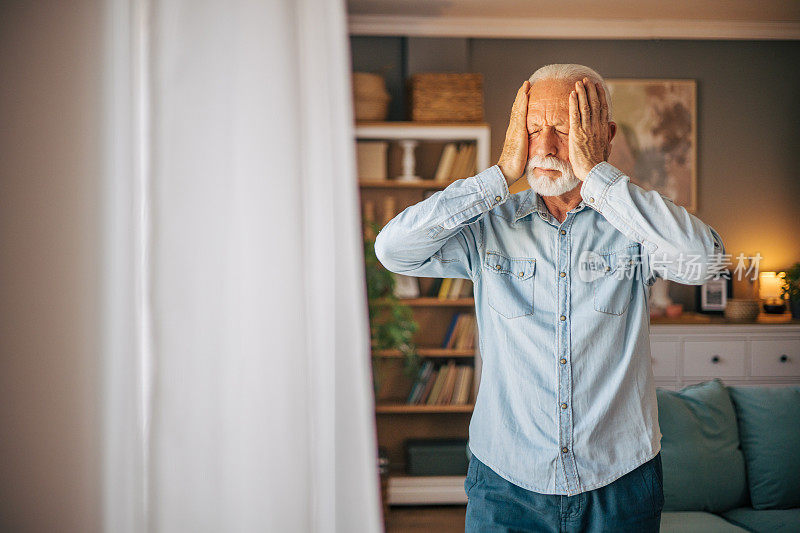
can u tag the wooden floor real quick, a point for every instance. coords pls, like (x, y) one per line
(427, 518)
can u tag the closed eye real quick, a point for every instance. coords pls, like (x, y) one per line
(534, 132)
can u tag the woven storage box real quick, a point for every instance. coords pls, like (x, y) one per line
(437, 97)
(370, 97)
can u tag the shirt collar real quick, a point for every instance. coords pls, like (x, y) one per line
(533, 202)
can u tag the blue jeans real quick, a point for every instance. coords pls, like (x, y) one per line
(631, 503)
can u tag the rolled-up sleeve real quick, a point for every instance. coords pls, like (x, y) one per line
(676, 245)
(441, 235)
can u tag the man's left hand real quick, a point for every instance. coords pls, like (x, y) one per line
(589, 129)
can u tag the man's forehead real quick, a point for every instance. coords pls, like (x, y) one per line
(544, 102)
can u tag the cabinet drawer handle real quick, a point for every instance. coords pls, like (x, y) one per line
(715, 359)
(784, 358)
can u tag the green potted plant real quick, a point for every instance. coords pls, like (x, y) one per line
(791, 289)
(391, 322)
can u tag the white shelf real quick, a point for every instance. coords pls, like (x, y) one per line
(481, 133)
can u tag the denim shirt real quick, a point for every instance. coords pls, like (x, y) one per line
(567, 398)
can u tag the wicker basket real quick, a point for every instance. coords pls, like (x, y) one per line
(742, 310)
(370, 97)
(449, 97)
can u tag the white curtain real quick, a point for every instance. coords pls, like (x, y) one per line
(237, 387)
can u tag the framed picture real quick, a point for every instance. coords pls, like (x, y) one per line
(656, 139)
(713, 295)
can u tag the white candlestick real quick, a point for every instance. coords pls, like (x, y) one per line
(409, 162)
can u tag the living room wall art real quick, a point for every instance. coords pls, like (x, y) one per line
(656, 140)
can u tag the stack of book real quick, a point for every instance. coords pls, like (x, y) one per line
(451, 288)
(450, 384)
(457, 161)
(461, 332)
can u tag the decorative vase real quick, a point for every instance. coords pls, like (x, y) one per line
(742, 310)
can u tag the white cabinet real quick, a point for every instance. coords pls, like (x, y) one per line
(665, 358)
(778, 357)
(738, 354)
(710, 359)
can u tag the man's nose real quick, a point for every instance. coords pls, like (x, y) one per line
(546, 143)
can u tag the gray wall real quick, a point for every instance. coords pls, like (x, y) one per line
(748, 117)
(50, 98)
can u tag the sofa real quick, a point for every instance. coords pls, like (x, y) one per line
(731, 458)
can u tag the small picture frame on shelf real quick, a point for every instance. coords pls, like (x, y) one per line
(713, 295)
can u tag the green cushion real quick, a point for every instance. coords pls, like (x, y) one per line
(703, 465)
(769, 428)
(765, 521)
(694, 522)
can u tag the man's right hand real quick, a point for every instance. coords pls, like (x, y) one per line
(514, 157)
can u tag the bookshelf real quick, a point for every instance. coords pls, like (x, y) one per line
(381, 200)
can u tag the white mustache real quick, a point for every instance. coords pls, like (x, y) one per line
(549, 163)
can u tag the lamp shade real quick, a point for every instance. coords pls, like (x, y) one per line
(770, 284)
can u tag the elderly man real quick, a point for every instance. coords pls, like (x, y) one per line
(564, 435)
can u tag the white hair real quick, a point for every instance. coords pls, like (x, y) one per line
(571, 72)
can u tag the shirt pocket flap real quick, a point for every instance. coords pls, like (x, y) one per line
(619, 263)
(520, 268)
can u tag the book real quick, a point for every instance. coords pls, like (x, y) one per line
(458, 164)
(457, 332)
(419, 384)
(465, 387)
(447, 387)
(437, 385)
(466, 290)
(460, 372)
(465, 161)
(471, 160)
(466, 340)
(426, 391)
(444, 289)
(455, 288)
(463, 335)
(450, 329)
(445, 167)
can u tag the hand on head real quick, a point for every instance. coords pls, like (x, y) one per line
(555, 121)
(590, 132)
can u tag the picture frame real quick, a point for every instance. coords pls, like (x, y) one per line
(713, 295)
(656, 140)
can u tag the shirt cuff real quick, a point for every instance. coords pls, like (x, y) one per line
(494, 185)
(597, 183)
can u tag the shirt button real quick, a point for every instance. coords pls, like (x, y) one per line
(497, 198)
(498, 267)
(521, 274)
(591, 199)
(563, 361)
(608, 268)
(563, 406)
(562, 274)
(564, 449)
(563, 232)
(563, 318)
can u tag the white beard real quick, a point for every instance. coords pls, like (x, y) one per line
(545, 185)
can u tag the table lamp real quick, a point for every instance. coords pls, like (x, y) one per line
(769, 290)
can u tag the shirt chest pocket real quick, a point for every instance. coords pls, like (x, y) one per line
(613, 289)
(509, 282)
